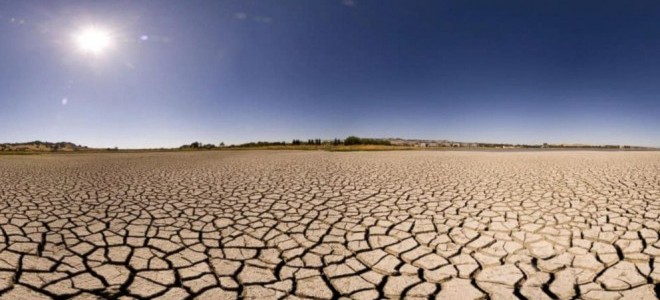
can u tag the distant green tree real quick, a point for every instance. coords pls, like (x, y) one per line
(352, 140)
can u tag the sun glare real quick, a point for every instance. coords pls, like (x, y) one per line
(93, 40)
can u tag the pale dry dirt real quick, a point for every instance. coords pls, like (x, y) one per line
(362, 225)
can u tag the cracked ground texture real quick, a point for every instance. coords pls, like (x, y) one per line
(361, 225)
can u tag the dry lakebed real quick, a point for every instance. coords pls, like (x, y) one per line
(331, 225)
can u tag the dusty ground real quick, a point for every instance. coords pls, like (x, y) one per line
(446, 225)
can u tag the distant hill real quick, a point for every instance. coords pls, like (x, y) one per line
(456, 144)
(312, 144)
(39, 146)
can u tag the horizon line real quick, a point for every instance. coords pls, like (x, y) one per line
(289, 141)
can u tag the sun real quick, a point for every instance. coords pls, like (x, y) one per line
(93, 40)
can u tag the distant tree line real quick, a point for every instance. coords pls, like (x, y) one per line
(309, 142)
(351, 140)
(197, 145)
(258, 144)
(354, 140)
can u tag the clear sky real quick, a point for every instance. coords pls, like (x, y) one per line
(174, 72)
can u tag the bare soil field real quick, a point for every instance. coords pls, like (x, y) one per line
(322, 225)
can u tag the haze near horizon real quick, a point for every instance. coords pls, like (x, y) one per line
(165, 73)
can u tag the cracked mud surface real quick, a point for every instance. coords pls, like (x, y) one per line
(439, 225)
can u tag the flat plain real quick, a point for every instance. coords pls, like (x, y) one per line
(313, 224)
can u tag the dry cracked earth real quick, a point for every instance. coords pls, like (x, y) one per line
(322, 225)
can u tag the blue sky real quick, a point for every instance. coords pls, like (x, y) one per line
(238, 71)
